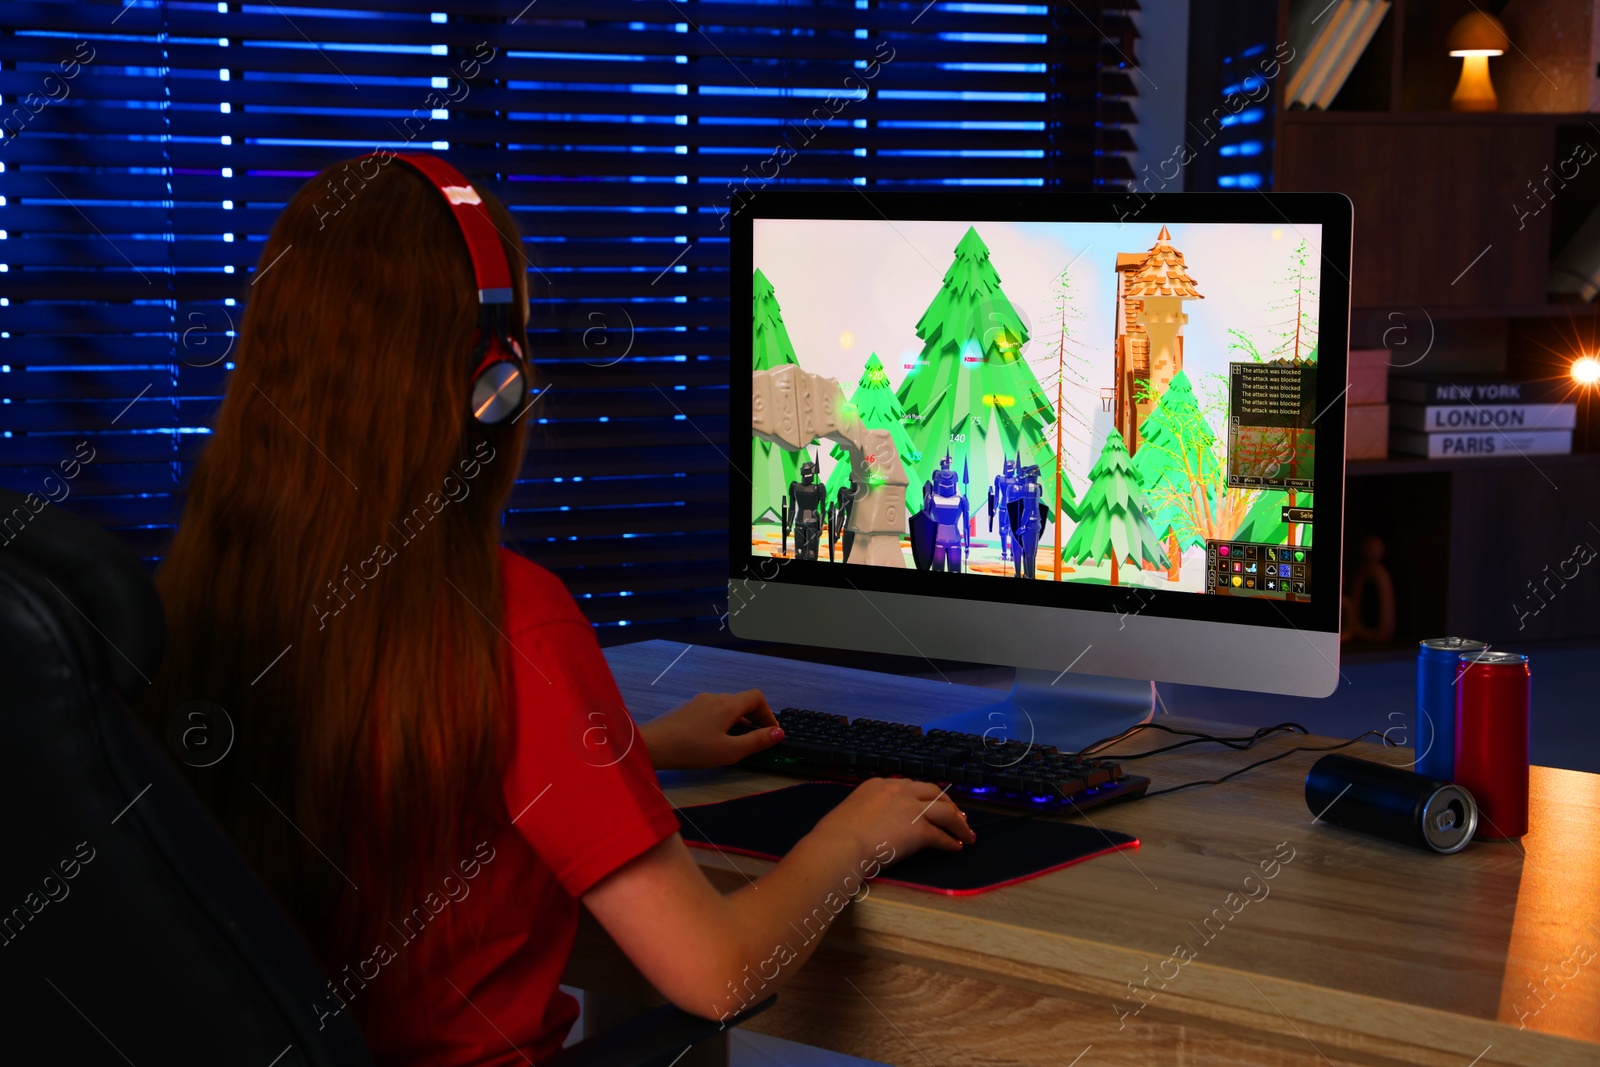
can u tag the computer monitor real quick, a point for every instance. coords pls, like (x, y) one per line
(1096, 437)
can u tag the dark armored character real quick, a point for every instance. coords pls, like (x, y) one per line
(839, 513)
(802, 512)
(1028, 514)
(1001, 493)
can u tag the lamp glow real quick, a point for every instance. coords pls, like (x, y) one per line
(1586, 370)
(1475, 38)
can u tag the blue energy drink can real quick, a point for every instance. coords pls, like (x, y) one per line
(1438, 663)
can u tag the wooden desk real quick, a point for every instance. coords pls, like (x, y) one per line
(1360, 952)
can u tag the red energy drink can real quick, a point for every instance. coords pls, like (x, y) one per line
(1492, 694)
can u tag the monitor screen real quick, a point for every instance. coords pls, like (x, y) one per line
(1084, 409)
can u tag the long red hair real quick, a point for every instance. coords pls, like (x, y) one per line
(334, 583)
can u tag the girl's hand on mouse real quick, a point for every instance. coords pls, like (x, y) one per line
(905, 814)
(695, 735)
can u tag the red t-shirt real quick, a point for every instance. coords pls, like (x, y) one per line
(584, 801)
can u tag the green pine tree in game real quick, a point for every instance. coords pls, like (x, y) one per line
(1114, 516)
(1292, 332)
(1293, 339)
(1297, 332)
(1180, 471)
(878, 408)
(970, 386)
(1264, 524)
(772, 467)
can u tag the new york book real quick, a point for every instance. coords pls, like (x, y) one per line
(1467, 390)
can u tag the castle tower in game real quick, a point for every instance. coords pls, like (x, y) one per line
(1151, 289)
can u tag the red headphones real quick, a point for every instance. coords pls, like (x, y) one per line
(498, 382)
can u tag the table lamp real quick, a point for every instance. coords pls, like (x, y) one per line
(1475, 38)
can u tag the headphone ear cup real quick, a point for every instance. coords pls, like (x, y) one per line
(497, 392)
(498, 385)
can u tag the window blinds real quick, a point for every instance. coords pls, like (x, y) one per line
(149, 146)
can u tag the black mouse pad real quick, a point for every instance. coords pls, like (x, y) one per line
(1010, 848)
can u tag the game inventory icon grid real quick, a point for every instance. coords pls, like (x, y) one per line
(1237, 568)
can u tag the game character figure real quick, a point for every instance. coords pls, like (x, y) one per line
(844, 503)
(947, 520)
(802, 512)
(1028, 514)
(1000, 495)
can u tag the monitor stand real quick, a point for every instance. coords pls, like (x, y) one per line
(1068, 711)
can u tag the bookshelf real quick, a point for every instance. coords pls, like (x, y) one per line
(1435, 189)
(1449, 247)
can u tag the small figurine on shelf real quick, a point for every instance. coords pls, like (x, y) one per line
(802, 512)
(1370, 579)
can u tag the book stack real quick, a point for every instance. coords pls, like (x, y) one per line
(1366, 426)
(1331, 37)
(1446, 418)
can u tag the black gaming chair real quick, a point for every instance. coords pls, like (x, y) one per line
(131, 931)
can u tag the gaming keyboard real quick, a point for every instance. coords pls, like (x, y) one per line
(985, 770)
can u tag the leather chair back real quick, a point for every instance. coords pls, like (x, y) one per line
(130, 928)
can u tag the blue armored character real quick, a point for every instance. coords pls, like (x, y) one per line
(1001, 494)
(942, 530)
(802, 512)
(1028, 514)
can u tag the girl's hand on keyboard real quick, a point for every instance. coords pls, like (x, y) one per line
(695, 736)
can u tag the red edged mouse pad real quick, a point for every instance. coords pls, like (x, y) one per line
(1009, 849)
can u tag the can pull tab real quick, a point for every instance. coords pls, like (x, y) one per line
(1446, 820)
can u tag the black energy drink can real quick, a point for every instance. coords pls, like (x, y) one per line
(1391, 803)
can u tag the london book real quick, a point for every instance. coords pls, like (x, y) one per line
(1462, 418)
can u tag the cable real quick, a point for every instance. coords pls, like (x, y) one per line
(1258, 763)
(1196, 737)
(1248, 743)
